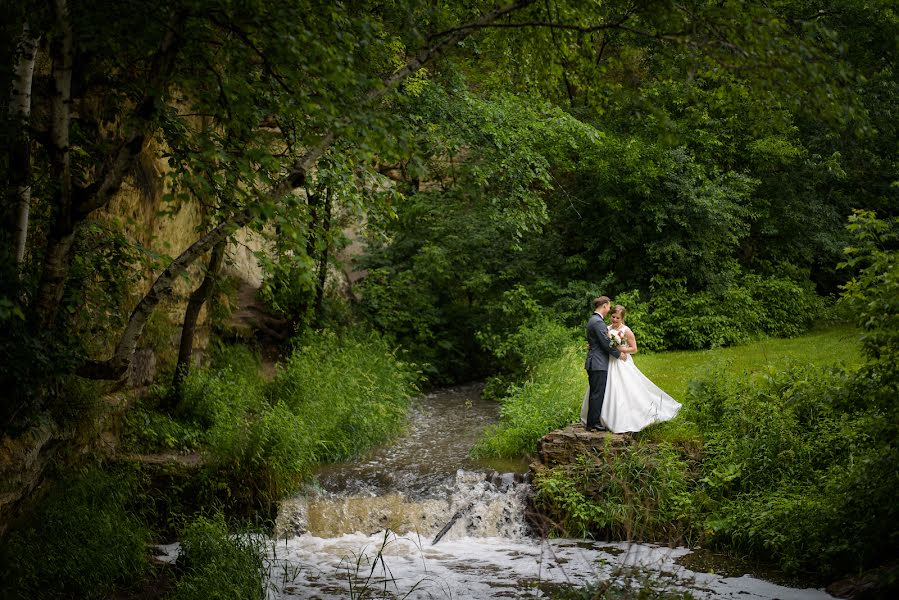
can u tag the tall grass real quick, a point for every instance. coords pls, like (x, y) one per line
(82, 541)
(332, 399)
(214, 563)
(796, 470)
(548, 399)
(644, 492)
(350, 393)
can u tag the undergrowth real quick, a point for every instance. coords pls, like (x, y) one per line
(83, 540)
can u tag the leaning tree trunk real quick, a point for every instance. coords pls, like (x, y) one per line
(197, 299)
(117, 364)
(302, 318)
(20, 153)
(323, 259)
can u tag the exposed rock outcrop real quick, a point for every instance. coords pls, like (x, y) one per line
(22, 461)
(563, 446)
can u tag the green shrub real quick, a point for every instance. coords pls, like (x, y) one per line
(547, 400)
(214, 564)
(81, 541)
(253, 443)
(803, 467)
(637, 493)
(840, 524)
(536, 340)
(790, 474)
(263, 455)
(231, 387)
(351, 393)
(149, 431)
(752, 307)
(333, 399)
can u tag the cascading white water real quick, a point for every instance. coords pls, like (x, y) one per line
(481, 508)
(368, 530)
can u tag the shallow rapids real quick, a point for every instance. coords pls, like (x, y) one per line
(368, 528)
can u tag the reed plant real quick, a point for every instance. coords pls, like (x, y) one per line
(350, 393)
(641, 493)
(215, 563)
(331, 399)
(548, 399)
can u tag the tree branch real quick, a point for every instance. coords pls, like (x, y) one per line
(619, 25)
(107, 184)
(117, 365)
(269, 68)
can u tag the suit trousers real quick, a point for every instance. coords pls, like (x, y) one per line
(597, 381)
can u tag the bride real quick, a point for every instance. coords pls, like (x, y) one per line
(632, 401)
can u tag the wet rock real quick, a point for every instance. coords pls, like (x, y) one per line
(882, 582)
(563, 446)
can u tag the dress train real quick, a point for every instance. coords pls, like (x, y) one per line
(632, 402)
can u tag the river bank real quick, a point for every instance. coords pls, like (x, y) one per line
(373, 523)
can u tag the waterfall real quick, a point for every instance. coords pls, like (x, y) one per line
(419, 519)
(492, 505)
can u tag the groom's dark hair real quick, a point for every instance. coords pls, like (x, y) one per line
(597, 302)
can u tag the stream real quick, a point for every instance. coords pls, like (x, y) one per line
(367, 529)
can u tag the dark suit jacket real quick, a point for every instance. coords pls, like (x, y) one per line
(600, 347)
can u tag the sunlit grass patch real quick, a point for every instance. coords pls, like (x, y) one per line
(549, 399)
(673, 371)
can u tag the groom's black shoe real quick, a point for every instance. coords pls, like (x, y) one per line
(597, 428)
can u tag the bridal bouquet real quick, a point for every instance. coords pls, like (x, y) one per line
(615, 338)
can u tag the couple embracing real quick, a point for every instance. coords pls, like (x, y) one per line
(620, 398)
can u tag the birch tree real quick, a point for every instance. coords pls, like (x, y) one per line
(20, 163)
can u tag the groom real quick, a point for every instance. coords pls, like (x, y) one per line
(597, 364)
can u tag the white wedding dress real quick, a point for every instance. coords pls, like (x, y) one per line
(632, 401)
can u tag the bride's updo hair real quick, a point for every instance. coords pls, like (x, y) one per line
(619, 310)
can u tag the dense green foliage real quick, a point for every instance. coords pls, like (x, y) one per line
(214, 563)
(547, 400)
(798, 467)
(792, 472)
(332, 399)
(83, 541)
(645, 494)
(673, 178)
(693, 159)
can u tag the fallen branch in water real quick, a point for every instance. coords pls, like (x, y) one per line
(455, 518)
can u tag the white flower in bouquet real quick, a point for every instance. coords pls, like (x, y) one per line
(615, 338)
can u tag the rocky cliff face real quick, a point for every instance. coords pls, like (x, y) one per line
(164, 229)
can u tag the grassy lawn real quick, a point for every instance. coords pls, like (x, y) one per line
(672, 371)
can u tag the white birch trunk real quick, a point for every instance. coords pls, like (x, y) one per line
(20, 113)
(116, 366)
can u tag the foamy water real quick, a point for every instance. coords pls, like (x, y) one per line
(369, 529)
